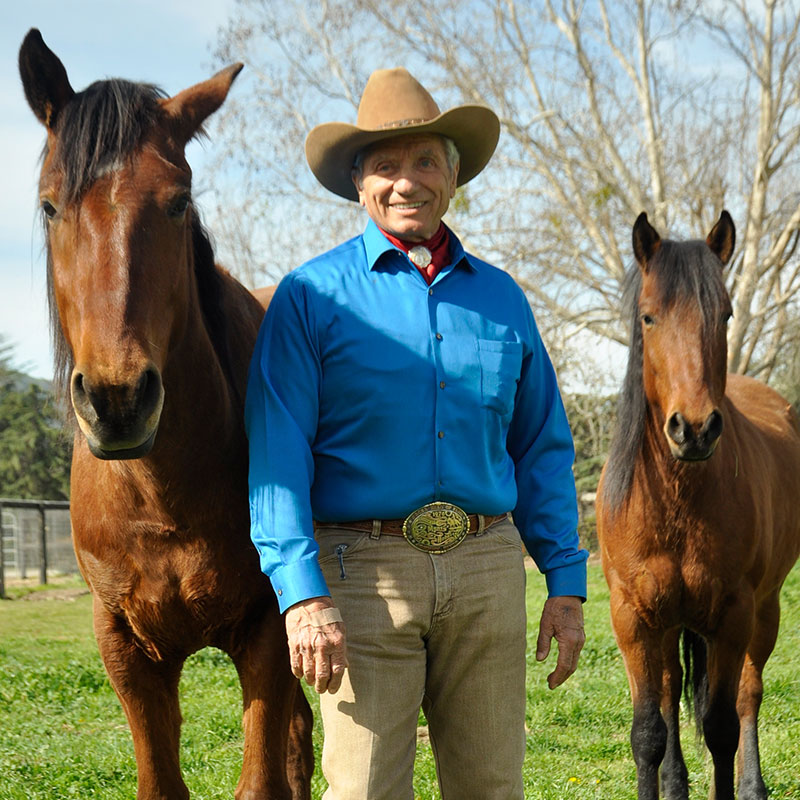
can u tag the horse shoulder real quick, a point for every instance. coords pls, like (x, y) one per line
(264, 295)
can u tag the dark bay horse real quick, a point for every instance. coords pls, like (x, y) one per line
(698, 517)
(152, 346)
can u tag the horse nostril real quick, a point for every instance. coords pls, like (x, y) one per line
(148, 390)
(712, 427)
(678, 428)
(82, 399)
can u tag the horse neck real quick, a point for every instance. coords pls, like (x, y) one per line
(202, 422)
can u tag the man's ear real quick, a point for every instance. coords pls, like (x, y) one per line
(454, 180)
(358, 183)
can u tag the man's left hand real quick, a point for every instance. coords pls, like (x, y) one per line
(562, 619)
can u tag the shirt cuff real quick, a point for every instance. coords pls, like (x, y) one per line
(567, 580)
(298, 581)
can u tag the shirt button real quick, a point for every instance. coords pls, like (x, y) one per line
(430, 291)
(441, 434)
(441, 385)
(280, 592)
(439, 336)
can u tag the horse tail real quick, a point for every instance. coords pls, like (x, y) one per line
(695, 676)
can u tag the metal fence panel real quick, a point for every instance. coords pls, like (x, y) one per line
(36, 539)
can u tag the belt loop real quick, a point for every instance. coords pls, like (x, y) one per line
(376, 529)
(481, 525)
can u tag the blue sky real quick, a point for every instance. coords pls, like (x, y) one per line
(167, 42)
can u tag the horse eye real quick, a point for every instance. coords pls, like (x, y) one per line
(179, 206)
(647, 320)
(49, 209)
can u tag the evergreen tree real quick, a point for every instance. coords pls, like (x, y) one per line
(35, 450)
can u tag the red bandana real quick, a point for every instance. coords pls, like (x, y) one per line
(438, 245)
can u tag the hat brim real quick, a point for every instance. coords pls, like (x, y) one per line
(331, 148)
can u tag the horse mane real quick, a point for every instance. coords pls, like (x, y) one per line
(101, 127)
(685, 272)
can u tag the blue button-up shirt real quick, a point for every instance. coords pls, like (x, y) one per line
(371, 394)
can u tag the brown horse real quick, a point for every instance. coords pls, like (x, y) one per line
(698, 517)
(152, 345)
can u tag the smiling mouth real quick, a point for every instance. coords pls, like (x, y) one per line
(406, 206)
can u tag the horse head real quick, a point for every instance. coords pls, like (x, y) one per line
(115, 193)
(683, 310)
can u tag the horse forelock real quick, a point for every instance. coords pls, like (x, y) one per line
(688, 272)
(685, 273)
(99, 129)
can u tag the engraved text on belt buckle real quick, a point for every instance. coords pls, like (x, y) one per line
(436, 527)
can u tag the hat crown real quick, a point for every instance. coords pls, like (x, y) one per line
(394, 98)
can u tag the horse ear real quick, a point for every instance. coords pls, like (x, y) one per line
(646, 241)
(191, 107)
(44, 79)
(722, 238)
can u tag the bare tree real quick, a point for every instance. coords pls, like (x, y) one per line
(609, 107)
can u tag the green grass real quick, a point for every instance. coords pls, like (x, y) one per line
(63, 734)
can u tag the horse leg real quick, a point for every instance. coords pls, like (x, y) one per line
(726, 652)
(278, 758)
(148, 692)
(751, 689)
(300, 758)
(674, 775)
(641, 650)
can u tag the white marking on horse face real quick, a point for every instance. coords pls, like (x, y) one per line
(108, 169)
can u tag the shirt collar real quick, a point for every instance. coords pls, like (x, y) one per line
(376, 244)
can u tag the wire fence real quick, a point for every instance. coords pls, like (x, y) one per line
(36, 540)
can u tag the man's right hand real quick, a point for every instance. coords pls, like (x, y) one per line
(317, 648)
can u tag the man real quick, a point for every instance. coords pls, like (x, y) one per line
(400, 403)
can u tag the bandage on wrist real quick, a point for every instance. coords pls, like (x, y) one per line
(324, 617)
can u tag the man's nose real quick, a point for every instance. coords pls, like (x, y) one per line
(405, 184)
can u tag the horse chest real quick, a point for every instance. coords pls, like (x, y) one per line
(669, 589)
(163, 574)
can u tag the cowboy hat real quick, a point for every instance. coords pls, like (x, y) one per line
(393, 103)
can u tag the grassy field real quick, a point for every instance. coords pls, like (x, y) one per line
(63, 734)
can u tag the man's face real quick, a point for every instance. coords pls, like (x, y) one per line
(406, 185)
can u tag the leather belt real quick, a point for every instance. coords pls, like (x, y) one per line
(434, 528)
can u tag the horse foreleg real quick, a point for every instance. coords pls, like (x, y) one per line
(674, 775)
(278, 759)
(300, 758)
(726, 650)
(641, 651)
(751, 688)
(148, 691)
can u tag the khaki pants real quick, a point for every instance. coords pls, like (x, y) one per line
(444, 632)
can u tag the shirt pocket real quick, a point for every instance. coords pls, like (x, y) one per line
(501, 364)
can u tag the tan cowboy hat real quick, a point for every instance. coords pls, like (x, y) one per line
(394, 102)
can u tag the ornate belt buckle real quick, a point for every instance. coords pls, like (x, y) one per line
(436, 527)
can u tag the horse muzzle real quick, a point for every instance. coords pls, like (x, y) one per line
(118, 418)
(693, 442)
